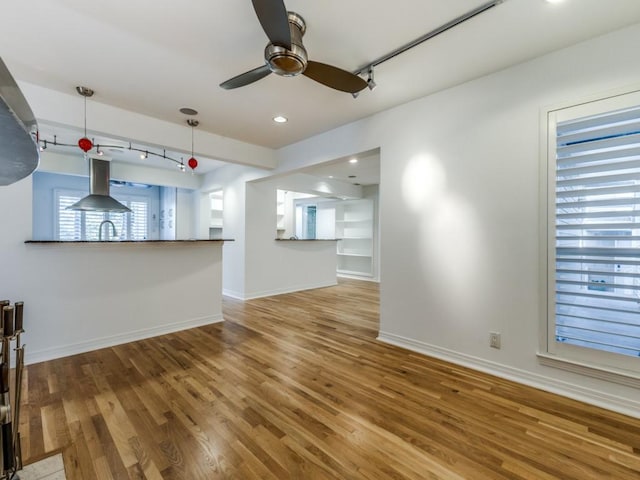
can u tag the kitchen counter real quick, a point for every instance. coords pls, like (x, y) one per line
(190, 241)
(307, 239)
(91, 295)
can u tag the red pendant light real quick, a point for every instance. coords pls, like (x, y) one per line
(84, 143)
(192, 162)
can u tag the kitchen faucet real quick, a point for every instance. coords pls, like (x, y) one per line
(113, 227)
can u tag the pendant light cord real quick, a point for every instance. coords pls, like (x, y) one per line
(85, 116)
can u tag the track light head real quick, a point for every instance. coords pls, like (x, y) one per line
(370, 81)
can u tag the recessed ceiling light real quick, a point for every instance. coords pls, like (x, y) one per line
(353, 160)
(188, 111)
(554, 1)
(330, 176)
(280, 119)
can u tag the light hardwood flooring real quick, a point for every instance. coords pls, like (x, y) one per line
(297, 387)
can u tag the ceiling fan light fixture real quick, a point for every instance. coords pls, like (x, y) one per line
(286, 56)
(287, 63)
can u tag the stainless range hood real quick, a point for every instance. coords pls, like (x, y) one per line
(19, 154)
(99, 199)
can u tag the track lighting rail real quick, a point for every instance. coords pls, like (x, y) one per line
(100, 148)
(427, 36)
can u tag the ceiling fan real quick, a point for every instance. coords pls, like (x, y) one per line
(285, 54)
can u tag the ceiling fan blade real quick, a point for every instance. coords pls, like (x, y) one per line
(273, 17)
(246, 78)
(334, 77)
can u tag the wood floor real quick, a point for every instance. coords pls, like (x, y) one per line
(296, 387)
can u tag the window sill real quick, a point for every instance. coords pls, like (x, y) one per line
(623, 377)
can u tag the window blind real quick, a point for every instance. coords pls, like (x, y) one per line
(76, 225)
(139, 220)
(69, 221)
(597, 222)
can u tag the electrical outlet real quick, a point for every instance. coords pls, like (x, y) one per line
(494, 339)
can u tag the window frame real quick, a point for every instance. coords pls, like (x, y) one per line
(608, 366)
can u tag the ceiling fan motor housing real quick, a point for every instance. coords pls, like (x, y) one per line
(282, 61)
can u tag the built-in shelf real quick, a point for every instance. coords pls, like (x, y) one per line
(215, 214)
(354, 226)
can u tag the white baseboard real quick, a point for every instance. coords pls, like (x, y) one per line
(111, 340)
(295, 288)
(576, 392)
(233, 294)
(357, 277)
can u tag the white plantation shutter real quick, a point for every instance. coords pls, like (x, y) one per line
(597, 232)
(139, 220)
(76, 225)
(69, 223)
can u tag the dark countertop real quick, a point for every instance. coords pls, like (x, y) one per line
(307, 239)
(84, 242)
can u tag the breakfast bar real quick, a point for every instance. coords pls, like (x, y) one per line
(98, 294)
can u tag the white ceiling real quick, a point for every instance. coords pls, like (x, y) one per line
(366, 171)
(156, 56)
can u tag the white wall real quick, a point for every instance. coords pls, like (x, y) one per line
(372, 192)
(273, 267)
(325, 220)
(459, 211)
(83, 297)
(185, 228)
(232, 180)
